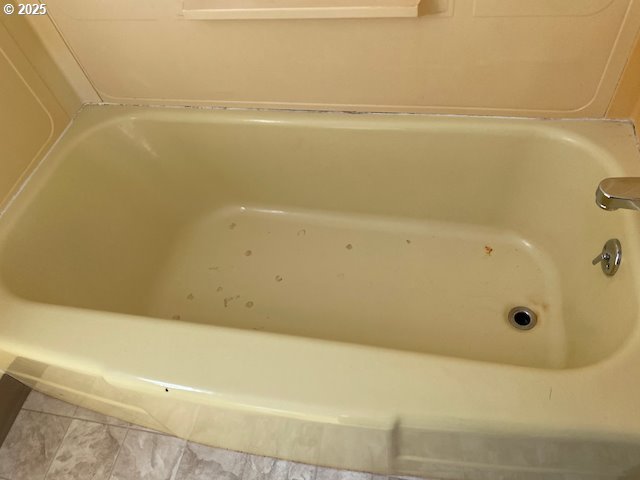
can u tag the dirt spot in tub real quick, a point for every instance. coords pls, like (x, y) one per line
(219, 289)
(232, 226)
(175, 317)
(408, 242)
(340, 276)
(257, 328)
(248, 253)
(214, 268)
(249, 304)
(190, 296)
(227, 301)
(279, 278)
(301, 233)
(349, 246)
(544, 306)
(488, 249)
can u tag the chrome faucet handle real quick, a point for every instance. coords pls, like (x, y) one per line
(610, 257)
(603, 257)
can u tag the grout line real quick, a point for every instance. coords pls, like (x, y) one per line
(177, 467)
(115, 460)
(59, 445)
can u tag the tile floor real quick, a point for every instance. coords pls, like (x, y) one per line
(53, 440)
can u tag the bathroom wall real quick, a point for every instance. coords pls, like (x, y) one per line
(626, 100)
(31, 114)
(499, 57)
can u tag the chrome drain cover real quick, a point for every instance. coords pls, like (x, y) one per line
(522, 318)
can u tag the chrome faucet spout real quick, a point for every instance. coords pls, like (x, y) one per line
(619, 192)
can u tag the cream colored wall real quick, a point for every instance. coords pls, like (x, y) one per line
(626, 100)
(459, 56)
(504, 57)
(31, 114)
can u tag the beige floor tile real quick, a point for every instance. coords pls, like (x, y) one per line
(39, 402)
(148, 456)
(88, 451)
(205, 463)
(31, 445)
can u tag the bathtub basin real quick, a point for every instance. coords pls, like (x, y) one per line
(334, 288)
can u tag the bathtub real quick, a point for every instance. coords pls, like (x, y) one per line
(334, 288)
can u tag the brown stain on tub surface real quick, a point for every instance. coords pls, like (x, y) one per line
(539, 304)
(279, 278)
(190, 296)
(349, 246)
(232, 226)
(248, 253)
(488, 249)
(249, 304)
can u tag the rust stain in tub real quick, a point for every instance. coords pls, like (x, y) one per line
(227, 301)
(488, 249)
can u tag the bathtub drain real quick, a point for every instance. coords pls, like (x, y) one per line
(522, 318)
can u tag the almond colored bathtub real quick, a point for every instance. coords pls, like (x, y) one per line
(334, 288)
